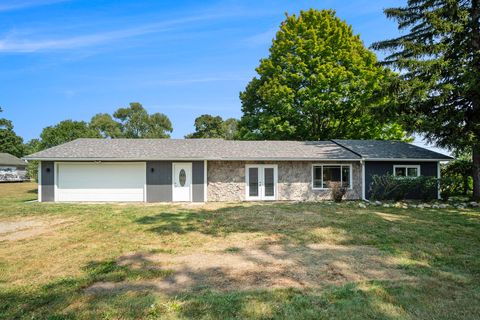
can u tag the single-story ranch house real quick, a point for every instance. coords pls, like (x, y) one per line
(12, 168)
(199, 170)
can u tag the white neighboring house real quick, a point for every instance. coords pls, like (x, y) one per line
(12, 168)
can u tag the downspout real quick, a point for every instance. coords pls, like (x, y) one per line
(438, 181)
(362, 162)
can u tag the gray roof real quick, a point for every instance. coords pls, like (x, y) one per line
(218, 149)
(192, 149)
(385, 149)
(7, 159)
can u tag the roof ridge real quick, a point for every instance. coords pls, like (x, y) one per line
(341, 145)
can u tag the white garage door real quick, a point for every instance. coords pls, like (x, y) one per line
(100, 181)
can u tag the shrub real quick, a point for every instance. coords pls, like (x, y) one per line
(449, 186)
(389, 187)
(457, 175)
(426, 187)
(339, 190)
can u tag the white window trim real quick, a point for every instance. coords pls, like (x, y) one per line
(331, 165)
(406, 166)
(261, 196)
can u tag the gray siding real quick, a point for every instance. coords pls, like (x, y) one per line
(48, 181)
(198, 181)
(159, 181)
(427, 168)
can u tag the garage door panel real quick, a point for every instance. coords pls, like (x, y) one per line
(101, 181)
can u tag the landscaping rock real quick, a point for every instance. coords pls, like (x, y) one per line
(473, 204)
(377, 203)
(362, 205)
(443, 206)
(386, 205)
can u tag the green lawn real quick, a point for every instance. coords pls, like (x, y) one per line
(235, 261)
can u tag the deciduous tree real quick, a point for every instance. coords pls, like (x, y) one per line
(319, 82)
(10, 142)
(66, 131)
(208, 126)
(135, 122)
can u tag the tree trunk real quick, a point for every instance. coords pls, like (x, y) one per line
(476, 173)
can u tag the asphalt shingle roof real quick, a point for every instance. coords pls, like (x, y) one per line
(218, 149)
(384, 149)
(7, 159)
(191, 149)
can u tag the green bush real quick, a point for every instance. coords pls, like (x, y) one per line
(389, 187)
(449, 186)
(457, 177)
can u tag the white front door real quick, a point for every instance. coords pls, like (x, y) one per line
(261, 182)
(182, 181)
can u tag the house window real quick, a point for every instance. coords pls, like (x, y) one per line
(410, 171)
(323, 175)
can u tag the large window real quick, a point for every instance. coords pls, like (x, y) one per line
(410, 171)
(323, 175)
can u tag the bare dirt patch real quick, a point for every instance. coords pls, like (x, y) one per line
(258, 265)
(27, 228)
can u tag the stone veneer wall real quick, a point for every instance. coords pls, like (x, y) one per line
(226, 180)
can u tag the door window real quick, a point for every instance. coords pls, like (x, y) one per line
(269, 182)
(253, 182)
(182, 177)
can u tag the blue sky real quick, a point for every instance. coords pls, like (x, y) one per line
(71, 59)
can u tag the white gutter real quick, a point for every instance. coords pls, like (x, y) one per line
(189, 159)
(405, 159)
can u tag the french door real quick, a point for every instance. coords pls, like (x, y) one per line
(261, 181)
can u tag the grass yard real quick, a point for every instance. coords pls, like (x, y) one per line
(235, 261)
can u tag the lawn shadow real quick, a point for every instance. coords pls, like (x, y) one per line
(127, 288)
(396, 232)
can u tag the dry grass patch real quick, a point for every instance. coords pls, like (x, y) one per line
(236, 261)
(30, 227)
(258, 264)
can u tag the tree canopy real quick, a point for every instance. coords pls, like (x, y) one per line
(319, 82)
(10, 142)
(65, 131)
(208, 126)
(439, 59)
(130, 122)
(135, 122)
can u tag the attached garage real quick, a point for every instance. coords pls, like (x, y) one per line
(199, 170)
(100, 181)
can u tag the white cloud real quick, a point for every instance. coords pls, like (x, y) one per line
(263, 38)
(14, 44)
(17, 5)
(190, 80)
